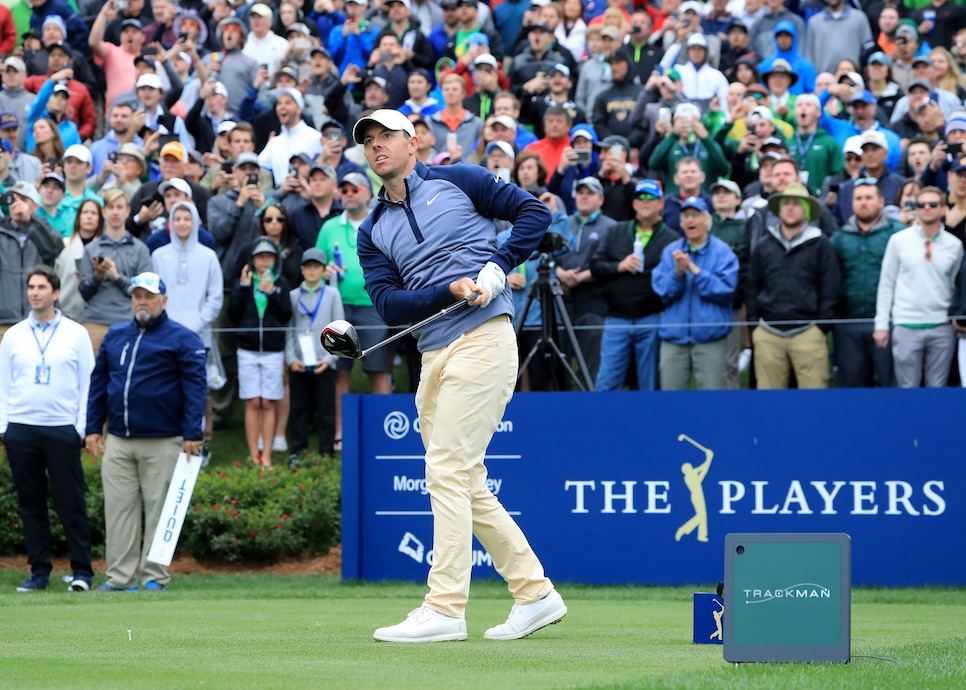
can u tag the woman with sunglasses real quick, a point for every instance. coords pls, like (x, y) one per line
(275, 223)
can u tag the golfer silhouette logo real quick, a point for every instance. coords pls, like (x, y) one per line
(717, 634)
(693, 478)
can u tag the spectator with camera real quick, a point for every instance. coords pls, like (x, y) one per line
(688, 138)
(630, 335)
(148, 203)
(25, 241)
(334, 145)
(108, 265)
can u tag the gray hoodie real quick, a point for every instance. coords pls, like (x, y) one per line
(107, 300)
(192, 276)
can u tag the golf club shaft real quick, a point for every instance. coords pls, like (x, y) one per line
(416, 326)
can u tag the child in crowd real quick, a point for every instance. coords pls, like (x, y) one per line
(312, 369)
(260, 307)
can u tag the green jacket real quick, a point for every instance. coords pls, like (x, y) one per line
(728, 230)
(671, 150)
(860, 261)
(823, 158)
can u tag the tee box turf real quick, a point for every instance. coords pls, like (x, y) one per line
(787, 597)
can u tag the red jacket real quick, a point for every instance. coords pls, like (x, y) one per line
(81, 108)
(461, 69)
(8, 31)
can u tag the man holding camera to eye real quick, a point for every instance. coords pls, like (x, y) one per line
(25, 240)
(233, 219)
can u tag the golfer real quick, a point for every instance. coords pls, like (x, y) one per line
(430, 242)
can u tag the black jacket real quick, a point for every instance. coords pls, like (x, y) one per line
(630, 295)
(614, 107)
(800, 282)
(265, 334)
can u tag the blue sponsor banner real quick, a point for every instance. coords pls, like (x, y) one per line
(639, 487)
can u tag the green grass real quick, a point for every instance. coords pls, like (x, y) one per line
(270, 631)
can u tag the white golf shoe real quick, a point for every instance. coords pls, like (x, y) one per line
(424, 625)
(526, 619)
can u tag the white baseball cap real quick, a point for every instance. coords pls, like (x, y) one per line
(28, 190)
(294, 93)
(176, 183)
(390, 119)
(503, 146)
(78, 151)
(151, 80)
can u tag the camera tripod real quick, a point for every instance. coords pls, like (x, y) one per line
(546, 288)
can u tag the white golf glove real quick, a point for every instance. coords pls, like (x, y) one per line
(493, 279)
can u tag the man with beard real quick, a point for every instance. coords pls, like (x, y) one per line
(149, 383)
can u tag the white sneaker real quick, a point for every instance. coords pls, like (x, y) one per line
(526, 619)
(424, 625)
(744, 359)
(279, 445)
(261, 444)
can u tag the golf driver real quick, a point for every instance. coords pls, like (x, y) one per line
(341, 339)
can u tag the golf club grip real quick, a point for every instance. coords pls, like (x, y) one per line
(425, 322)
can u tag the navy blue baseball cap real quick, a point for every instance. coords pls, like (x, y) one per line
(695, 202)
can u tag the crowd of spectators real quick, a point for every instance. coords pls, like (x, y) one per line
(724, 174)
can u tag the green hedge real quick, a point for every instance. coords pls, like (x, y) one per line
(237, 513)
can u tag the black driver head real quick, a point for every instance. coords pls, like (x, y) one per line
(340, 338)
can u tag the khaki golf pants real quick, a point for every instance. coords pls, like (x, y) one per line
(463, 391)
(136, 473)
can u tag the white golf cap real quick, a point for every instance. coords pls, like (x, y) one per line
(390, 119)
(691, 6)
(697, 40)
(16, 63)
(295, 95)
(221, 89)
(506, 121)
(226, 126)
(874, 137)
(26, 189)
(262, 10)
(78, 151)
(485, 59)
(503, 146)
(176, 183)
(725, 183)
(853, 145)
(150, 80)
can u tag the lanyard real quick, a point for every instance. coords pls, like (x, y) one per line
(803, 149)
(693, 153)
(315, 312)
(43, 349)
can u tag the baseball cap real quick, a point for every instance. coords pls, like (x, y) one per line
(262, 10)
(907, 31)
(563, 69)
(539, 26)
(921, 83)
(148, 281)
(853, 145)
(874, 136)
(176, 183)
(378, 81)
(485, 59)
(61, 45)
(357, 180)
(264, 245)
(320, 49)
(773, 141)
(688, 110)
(136, 23)
(226, 126)
(16, 63)
(864, 97)
(697, 39)
(651, 188)
(730, 185)
(392, 120)
(879, 58)
(314, 254)
(325, 169)
(78, 151)
(27, 190)
(478, 39)
(300, 27)
(617, 55)
(610, 32)
(958, 164)
(197, 157)
(737, 25)
(150, 80)
(506, 121)
(290, 71)
(405, 3)
(591, 183)
(246, 157)
(503, 146)
(759, 112)
(141, 59)
(176, 149)
(62, 88)
(221, 89)
(583, 130)
(295, 95)
(613, 140)
(691, 6)
(56, 177)
(132, 149)
(695, 202)
(8, 120)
